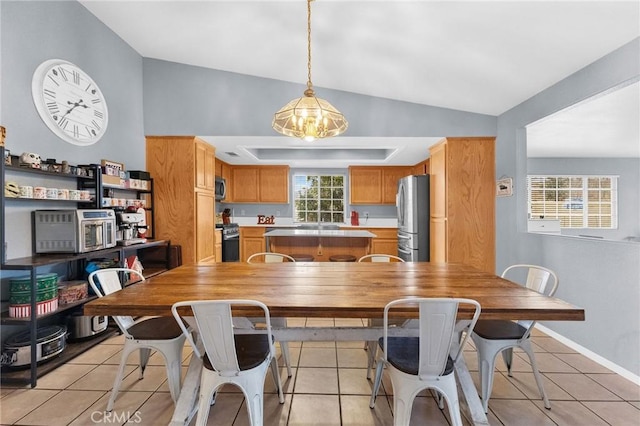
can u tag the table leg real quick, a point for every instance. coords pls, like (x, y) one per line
(187, 404)
(469, 400)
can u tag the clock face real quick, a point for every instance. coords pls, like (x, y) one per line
(69, 102)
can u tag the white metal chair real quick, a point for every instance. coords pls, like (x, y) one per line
(380, 258)
(240, 359)
(417, 363)
(162, 334)
(372, 346)
(268, 257)
(501, 336)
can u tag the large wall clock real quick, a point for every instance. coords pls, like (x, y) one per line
(69, 102)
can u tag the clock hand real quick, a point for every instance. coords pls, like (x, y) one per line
(75, 104)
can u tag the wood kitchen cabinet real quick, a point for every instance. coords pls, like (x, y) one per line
(226, 175)
(183, 168)
(244, 181)
(205, 239)
(365, 185)
(251, 241)
(218, 167)
(205, 165)
(274, 184)
(260, 184)
(218, 247)
(462, 196)
(385, 241)
(375, 185)
(421, 168)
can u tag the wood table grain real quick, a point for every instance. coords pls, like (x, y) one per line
(342, 290)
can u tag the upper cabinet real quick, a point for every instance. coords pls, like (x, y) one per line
(365, 185)
(244, 181)
(421, 168)
(274, 184)
(218, 167)
(375, 185)
(259, 184)
(205, 164)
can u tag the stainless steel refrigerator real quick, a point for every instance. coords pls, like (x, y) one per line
(412, 202)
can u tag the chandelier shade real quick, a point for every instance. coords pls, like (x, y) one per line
(309, 117)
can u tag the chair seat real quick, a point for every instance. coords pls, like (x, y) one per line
(158, 328)
(499, 330)
(342, 258)
(302, 257)
(252, 350)
(403, 354)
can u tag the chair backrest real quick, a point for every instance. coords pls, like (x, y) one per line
(437, 329)
(380, 258)
(107, 281)
(268, 257)
(215, 328)
(538, 278)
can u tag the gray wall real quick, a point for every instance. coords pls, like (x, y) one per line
(33, 32)
(602, 277)
(628, 170)
(183, 99)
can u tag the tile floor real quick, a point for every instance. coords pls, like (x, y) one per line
(328, 387)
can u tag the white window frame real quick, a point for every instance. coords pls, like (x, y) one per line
(553, 210)
(322, 215)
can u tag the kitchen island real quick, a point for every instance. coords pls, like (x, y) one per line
(320, 243)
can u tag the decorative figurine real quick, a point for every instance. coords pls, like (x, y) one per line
(11, 190)
(29, 159)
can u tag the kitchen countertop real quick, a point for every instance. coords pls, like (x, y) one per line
(283, 222)
(319, 233)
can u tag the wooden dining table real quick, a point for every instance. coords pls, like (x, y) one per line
(332, 290)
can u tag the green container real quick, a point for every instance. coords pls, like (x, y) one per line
(24, 297)
(20, 288)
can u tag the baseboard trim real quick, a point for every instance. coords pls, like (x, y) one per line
(590, 354)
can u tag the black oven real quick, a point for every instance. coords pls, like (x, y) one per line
(230, 242)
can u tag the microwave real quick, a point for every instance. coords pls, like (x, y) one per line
(74, 231)
(221, 188)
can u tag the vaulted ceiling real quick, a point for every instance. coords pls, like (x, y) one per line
(476, 56)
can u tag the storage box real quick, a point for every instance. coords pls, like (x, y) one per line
(20, 295)
(139, 174)
(72, 291)
(111, 180)
(24, 310)
(112, 168)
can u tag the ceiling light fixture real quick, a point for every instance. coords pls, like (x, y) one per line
(308, 117)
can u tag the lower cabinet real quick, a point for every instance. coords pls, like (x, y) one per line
(251, 241)
(218, 245)
(205, 226)
(386, 241)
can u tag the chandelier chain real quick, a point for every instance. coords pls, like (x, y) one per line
(309, 85)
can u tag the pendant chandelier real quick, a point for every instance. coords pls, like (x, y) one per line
(309, 117)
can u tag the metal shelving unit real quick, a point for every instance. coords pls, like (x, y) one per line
(32, 264)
